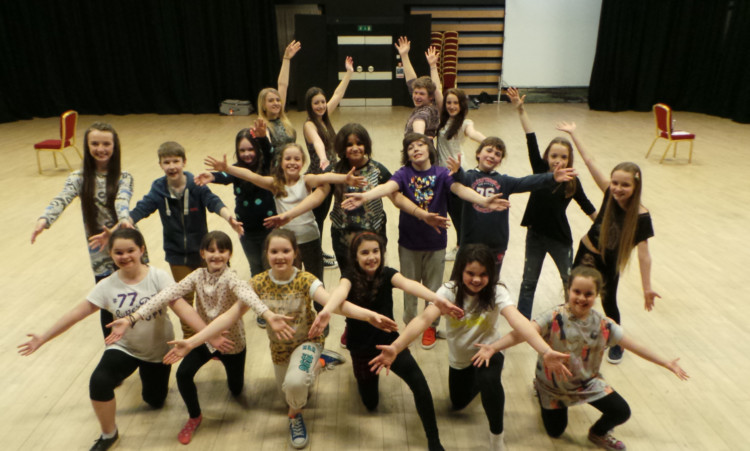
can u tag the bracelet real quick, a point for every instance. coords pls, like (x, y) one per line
(416, 207)
(131, 318)
(546, 351)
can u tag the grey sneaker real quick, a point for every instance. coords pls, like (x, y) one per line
(331, 358)
(614, 356)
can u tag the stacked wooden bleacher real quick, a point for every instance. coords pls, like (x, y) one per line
(471, 45)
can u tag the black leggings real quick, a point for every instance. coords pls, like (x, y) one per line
(234, 365)
(614, 409)
(610, 275)
(464, 385)
(115, 366)
(407, 369)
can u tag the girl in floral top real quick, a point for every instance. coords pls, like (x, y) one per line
(585, 334)
(295, 348)
(217, 288)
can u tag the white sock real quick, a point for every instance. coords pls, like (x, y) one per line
(109, 436)
(497, 443)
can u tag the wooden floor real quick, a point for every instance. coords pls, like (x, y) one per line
(701, 215)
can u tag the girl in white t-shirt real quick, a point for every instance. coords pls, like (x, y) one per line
(474, 366)
(133, 284)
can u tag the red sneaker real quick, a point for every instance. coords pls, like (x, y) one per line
(428, 338)
(186, 434)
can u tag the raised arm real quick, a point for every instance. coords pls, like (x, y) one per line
(80, 311)
(338, 94)
(600, 177)
(433, 56)
(644, 264)
(518, 102)
(403, 46)
(263, 181)
(645, 353)
(283, 81)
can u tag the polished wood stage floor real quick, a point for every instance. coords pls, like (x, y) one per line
(700, 213)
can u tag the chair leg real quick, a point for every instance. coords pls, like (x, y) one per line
(38, 162)
(674, 153)
(652, 146)
(80, 155)
(665, 153)
(66, 160)
(690, 158)
(54, 157)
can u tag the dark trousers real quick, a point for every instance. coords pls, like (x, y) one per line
(105, 317)
(610, 275)
(115, 366)
(614, 409)
(407, 369)
(537, 248)
(253, 246)
(466, 383)
(234, 365)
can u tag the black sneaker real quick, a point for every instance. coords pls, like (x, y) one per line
(102, 444)
(614, 356)
(261, 322)
(329, 261)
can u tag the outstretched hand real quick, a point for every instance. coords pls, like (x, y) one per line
(204, 178)
(222, 343)
(101, 240)
(650, 297)
(384, 360)
(403, 45)
(39, 227)
(382, 322)
(180, 349)
(259, 128)
(356, 181)
(433, 55)
(281, 328)
(118, 328)
(237, 226)
(515, 98)
(556, 363)
(496, 202)
(216, 165)
(274, 222)
(483, 355)
(436, 221)
(349, 64)
(292, 50)
(567, 127)
(30, 346)
(353, 201)
(562, 174)
(448, 308)
(319, 325)
(677, 370)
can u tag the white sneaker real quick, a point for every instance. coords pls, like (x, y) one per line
(451, 254)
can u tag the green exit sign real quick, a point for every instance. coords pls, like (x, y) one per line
(364, 27)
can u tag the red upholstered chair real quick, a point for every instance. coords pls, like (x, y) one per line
(664, 130)
(68, 122)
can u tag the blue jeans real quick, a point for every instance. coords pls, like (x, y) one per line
(537, 247)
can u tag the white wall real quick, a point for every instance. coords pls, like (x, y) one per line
(550, 43)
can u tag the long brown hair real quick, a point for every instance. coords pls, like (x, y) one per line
(88, 190)
(323, 123)
(629, 222)
(364, 288)
(570, 187)
(458, 119)
(480, 253)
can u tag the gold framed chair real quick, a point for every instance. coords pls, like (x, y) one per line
(68, 122)
(664, 130)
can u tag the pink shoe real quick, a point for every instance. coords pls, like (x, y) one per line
(186, 434)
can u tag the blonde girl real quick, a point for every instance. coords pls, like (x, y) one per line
(271, 104)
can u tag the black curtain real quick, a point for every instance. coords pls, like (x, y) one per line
(133, 56)
(689, 54)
